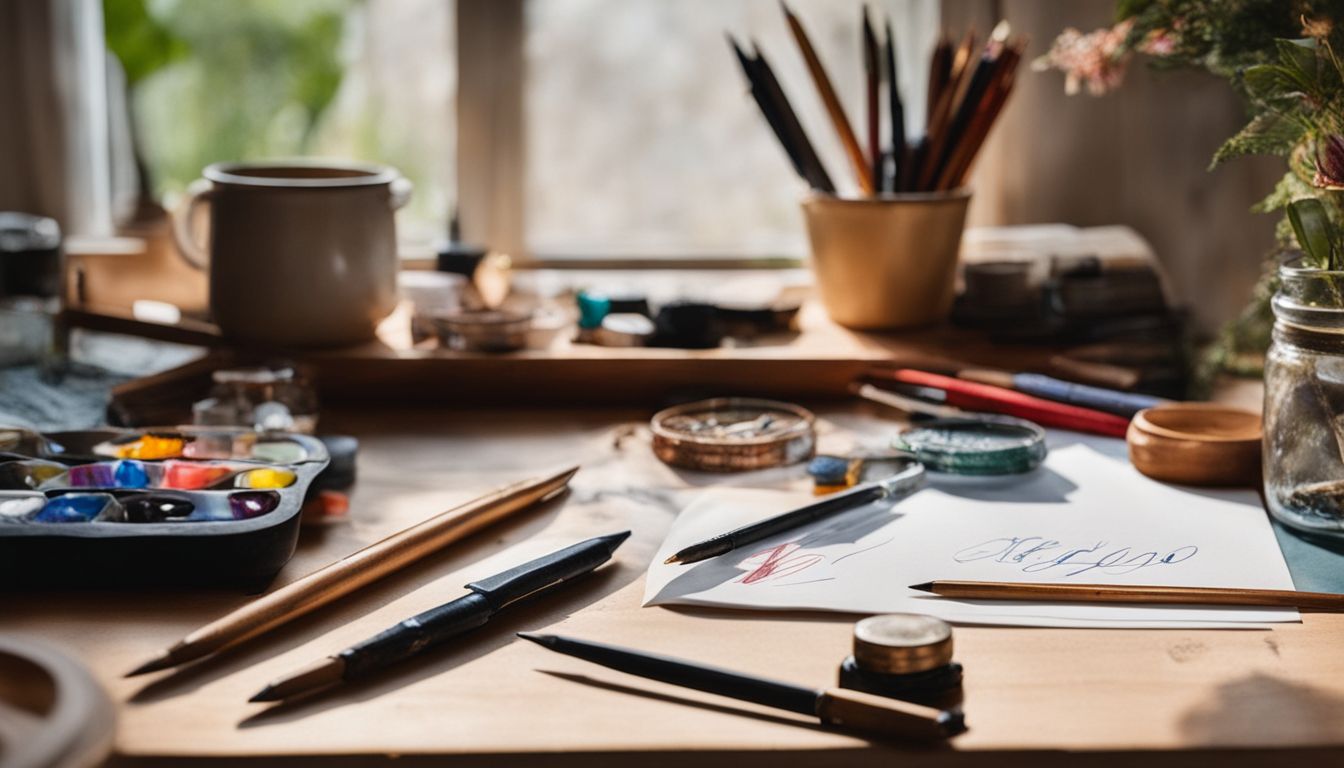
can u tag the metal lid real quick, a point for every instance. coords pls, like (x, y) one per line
(733, 434)
(902, 643)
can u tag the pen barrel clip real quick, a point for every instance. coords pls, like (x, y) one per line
(868, 713)
(903, 483)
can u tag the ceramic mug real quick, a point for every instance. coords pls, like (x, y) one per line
(299, 254)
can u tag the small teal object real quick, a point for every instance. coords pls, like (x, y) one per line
(74, 508)
(976, 446)
(131, 474)
(593, 307)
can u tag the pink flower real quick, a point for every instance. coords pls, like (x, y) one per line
(1097, 59)
(1159, 42)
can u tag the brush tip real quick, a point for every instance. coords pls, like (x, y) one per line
(162, 661)
(265, 694)
(925, 587)
(538, 638)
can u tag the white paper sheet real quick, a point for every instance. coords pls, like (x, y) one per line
(1084, 517)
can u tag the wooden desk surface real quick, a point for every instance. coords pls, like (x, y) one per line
(1033, 695)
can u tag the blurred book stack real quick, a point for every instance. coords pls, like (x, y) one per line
(1100, 292)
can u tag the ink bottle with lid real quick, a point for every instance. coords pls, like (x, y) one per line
(904, 656)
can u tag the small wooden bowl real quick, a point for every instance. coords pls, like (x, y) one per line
(1197, 444)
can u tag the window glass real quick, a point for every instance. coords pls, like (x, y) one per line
(369, 80)
(642, 137)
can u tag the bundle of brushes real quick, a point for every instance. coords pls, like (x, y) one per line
(966, 94)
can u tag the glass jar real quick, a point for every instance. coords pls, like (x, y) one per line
(1303, 454)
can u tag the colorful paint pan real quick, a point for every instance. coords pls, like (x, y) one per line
(19, 506)
(194, 475)
(246, 505)
(150, 446)
(28, 474)
(279, 452)
(78, 508)
(264, 478)
(156, 508)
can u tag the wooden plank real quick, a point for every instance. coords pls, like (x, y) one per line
(1034, 696)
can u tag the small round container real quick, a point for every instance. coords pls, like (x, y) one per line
(484, 331)
(625, 329)
(1196, 444)
(733, 434)
(984, 445)
(904, 656)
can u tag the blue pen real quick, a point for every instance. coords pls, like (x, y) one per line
(1097, 398)
(1108, 400)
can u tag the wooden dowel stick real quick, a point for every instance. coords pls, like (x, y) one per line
(1132, 593)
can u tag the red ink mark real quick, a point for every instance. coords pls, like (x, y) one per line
(777, 562)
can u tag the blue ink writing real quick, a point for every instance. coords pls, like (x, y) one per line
(1037, 554)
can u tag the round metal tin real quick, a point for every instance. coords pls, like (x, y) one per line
(902, 643)
(733, 434)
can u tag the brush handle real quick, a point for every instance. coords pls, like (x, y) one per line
(879, 715)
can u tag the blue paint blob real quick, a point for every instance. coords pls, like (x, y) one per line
(131, 474)
(74, 508)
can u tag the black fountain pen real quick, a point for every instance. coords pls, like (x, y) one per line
(425, 630)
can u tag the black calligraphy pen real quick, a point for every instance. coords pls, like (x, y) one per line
(903, 482)
(838, 707)
(425, 630)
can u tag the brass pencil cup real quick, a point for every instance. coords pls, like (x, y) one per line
(888, 262)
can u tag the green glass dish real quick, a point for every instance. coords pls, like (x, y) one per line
(987, 445)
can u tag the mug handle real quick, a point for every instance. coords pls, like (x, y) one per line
(401, 189)
(199, 191)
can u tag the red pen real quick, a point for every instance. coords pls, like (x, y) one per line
(984, 397)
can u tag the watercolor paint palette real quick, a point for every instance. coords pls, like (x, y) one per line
(172, 506)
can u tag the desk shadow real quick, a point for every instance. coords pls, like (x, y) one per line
(304, 629)
(1239, 709)
(454, 653)
(845, 528)
(1042, 486)
(671, 699)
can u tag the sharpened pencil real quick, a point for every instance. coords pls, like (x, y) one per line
(1127, 593)
(834, 109)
